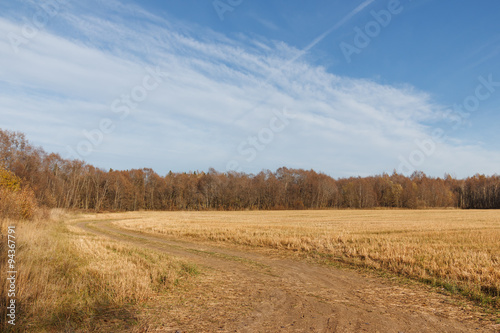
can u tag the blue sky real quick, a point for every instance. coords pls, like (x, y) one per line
(344, 87)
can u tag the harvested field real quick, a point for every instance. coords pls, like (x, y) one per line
(254, 271)
(456, 249)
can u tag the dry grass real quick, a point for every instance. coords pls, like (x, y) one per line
(69, 280)
(454, 249)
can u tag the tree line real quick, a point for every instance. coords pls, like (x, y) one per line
(56, 182)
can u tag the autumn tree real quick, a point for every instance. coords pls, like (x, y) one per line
(52, 181)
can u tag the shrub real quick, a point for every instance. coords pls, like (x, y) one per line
(9, 181)
(16, 202)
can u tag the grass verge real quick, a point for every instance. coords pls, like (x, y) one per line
(69, 280)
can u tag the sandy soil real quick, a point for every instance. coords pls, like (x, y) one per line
(255, 290)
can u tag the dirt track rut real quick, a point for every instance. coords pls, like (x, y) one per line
(289, 295)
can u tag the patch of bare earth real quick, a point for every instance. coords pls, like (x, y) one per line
(267, 291)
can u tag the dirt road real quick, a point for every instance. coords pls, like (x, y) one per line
(264, 291)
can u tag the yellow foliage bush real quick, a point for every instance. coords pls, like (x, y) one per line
(9, 181)
(16, 202)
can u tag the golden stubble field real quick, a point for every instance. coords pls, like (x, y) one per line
(86, 272)
(458, 250)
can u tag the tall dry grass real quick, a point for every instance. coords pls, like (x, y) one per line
(71, 280)
(456, 249)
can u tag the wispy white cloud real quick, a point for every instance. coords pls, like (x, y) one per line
(266, 23)
(218, 92)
